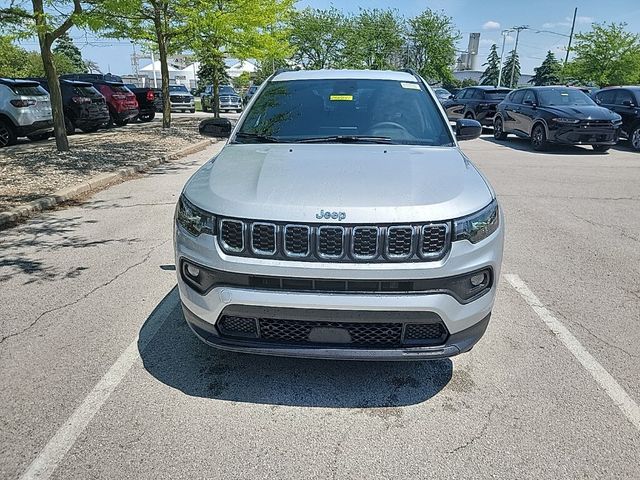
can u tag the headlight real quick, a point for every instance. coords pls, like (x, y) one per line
(194, 220)
(566, 120)
(479, 225)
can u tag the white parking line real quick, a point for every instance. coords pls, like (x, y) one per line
(609, 384)
(55, 450)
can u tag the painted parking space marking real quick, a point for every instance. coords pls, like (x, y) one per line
(620, 397)
(54, 451)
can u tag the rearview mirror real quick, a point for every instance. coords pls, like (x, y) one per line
(215, 127)
(468, 129)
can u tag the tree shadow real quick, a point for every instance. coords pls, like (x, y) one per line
(23, 247)
(172, 353)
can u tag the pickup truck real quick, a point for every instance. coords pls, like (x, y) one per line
(149, 101)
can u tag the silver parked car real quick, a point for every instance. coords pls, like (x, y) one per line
(341, 220)
(25, 111)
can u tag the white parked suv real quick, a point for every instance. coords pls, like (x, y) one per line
(341, 220)
(25, 111)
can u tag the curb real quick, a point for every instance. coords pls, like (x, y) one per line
(94, 183)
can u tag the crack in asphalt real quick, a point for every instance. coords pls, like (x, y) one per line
(86, 295)
(606, 225)
(479, 435)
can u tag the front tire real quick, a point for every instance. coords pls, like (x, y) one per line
(634, 138)
(498, 129)
(539, 138)
(119, 122)
(147, 117)
(193, 110)
(601, 148)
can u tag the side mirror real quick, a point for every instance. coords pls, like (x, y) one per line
(467, 129)
(215, 127)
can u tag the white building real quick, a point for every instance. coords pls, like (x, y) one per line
(188, 76)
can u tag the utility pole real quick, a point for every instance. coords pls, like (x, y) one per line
(515, 50)
(504, 39)
(573, 26)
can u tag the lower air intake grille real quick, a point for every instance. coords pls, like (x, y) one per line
(415, 332)
(363, 334)
(238, 326)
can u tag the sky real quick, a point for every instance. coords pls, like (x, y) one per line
(549, 24)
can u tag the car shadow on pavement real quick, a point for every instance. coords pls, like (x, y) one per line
(524, 145)
(172, 353)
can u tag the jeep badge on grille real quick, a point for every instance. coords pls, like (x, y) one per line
(331, 215)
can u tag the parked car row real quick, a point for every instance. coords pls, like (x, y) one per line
(552, 114)
(90, 102)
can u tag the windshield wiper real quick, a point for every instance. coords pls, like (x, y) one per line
(257, 137)
(346, 139)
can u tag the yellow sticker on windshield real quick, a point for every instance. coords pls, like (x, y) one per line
(412, 86)
(343, 98)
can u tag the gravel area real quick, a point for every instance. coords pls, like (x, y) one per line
(31, 170)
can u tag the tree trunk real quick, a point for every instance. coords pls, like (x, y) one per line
(164, 71)
(216, 96)
(57, 110)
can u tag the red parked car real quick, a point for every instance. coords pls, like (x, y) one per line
(122, 103)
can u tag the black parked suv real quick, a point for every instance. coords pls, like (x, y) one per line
(625, 101)
(84, 106)
(564, 115)
(478, 103)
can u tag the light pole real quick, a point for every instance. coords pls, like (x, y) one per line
(504, 39)
(515, 51)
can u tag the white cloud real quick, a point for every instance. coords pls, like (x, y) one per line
(491, 25)
(580, 20)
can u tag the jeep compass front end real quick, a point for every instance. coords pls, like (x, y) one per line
(341, 220)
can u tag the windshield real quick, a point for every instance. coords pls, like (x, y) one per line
(441, 92)
(178, 88)
(496, 94)
(563, 96)
(119, 88)
(227, 90)
(299, 110)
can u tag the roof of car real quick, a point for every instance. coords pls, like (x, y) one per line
(629, 87)
(17, 82)
(489, 87)
(344, 74)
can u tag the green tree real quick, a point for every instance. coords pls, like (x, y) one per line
(48, 28)
(237, 28)
(432, 37)
(18, 62)
(511, 69)
(65, 46)
(318, 37)
(549, 72)
(374, 40)
(161, 24)
(606, 55)
(492, 72)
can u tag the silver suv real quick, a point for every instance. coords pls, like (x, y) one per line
(25, 111)
(341, 220)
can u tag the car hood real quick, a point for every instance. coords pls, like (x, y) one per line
(369, 183)
(583, 112)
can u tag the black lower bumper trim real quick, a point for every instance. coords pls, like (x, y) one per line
(456, 343)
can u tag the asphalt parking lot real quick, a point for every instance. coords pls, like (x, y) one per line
(103, 379)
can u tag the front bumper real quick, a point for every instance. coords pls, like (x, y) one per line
(584, 135)
(464, 322)
(183, 106)
(455, 344)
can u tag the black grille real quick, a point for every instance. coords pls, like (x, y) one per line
(296, 240)
(231, 234)
(424, 331)
(336, 243)
(263, 238)
(434, 238)
(361, 334)
(238, 326)
(400, 241)
(365, 242)
(331, 241)
(180, 98)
